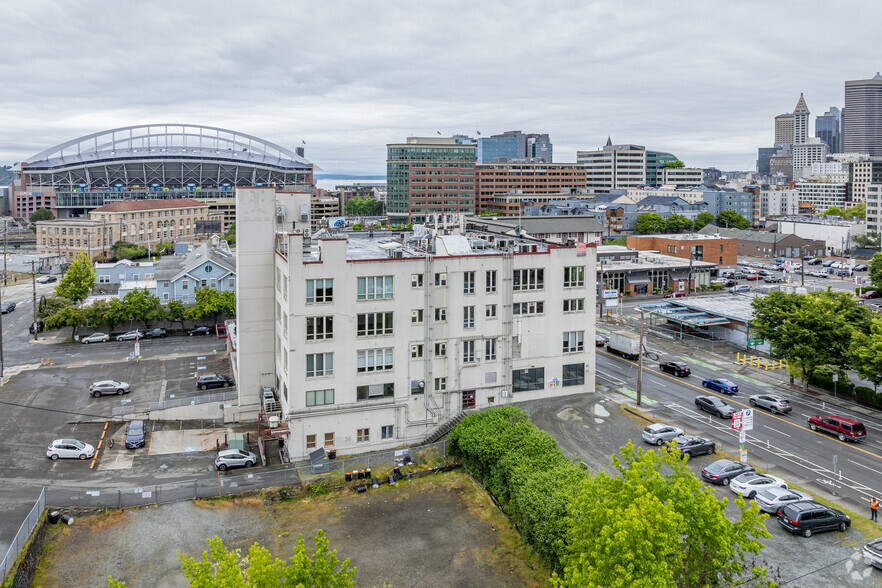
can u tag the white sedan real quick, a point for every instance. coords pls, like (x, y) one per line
(95, 338)
(773, 499)
(750, 483)
(69, 448)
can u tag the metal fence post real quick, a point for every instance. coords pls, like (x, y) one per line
(119, 499)
(156, 488)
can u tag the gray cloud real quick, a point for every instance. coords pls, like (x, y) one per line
(700, 79)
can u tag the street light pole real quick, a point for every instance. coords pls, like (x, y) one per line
(34, 284)
(640, 361)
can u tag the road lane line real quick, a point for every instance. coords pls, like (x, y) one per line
(776, 430)
(863, 466)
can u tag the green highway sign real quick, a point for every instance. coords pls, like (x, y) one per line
(755, 342)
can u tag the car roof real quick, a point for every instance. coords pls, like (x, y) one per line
(841, 419)
(231, 452)
(99, 382)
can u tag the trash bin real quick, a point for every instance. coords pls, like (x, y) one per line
(53, 517)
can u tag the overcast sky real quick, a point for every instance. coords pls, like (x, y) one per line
(701, 79)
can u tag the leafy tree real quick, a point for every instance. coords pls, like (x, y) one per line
(79, 280)
(69, 316)
(859, 210)
(212, 303)
(365, 206)
(491, 213)
(674, 164)
(677, 223)
(866, 353)
(41, 214)
(809, 330)
(227, 303)
(832, 211)
(116, 313)
(703, 219)
(175, 311)
(733, 220)
(868, 239)
(126, 250)
(656, 524)
(230, 235)
(649, 222)
(875, 272)
(49, 306)
(164, 248)
(143, 306)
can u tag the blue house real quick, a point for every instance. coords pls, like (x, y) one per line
(123, 271)
(178, 276)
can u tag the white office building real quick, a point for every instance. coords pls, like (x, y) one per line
(372, 342)
(778, 202)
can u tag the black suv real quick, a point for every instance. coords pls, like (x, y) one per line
(678, 368)
(723, 470)
(693, 445)
(213, 381)
(135, 435)
(810, 517)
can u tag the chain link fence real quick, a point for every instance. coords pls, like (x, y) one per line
(23, 534)
(132, 407)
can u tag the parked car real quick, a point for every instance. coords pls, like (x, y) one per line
(828, 263)
(47, 279)
(739, 275)
(108, 387)
(660, 433)
(727, 273)
(749, 483)
(7, 307)
(753, 277)
(720, 281)
(199, 331)
(715, 406)
(130, 336)
(723, 470)
(213, 381)
(721, 385)
(157, 332)
(69, 448)
(95, 338)
(772, 402)
(873, 553)
(678, 368)
(875, 306)
(772, 500)
(764, 273)
(675, 294)
(135, 435)
(837, 265)
(842, 273)
(36, 327)
(861, 267)
(599, 340)
(773, 279)
(818, 274)
(815, 261)
(871, 294)
(693, 445)
(805, 518)
(740, 288)
(234, 458)
(844, 428)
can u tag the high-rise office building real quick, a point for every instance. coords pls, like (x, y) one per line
(614, 166)
(495, 180)
(784, 128)
(429, 176)
(515, 145)
(862, 116)
(800, 122)
(656, 161)
(827, 129)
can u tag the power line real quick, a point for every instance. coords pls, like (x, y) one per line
(97, 416)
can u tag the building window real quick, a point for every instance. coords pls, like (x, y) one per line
(440, 384)
(490, 281)
(417, 387)
(387, 432)
(490, 349)
(574, 276)
(528, 308)
(573, 341)
(440, 315)
(468, 317)
(103, 279)
(375, 360)
(529, 279)
(416, 351)
(232, 283)
(441, 349)
(319, 364)
(319, 327)
(672, 249)
(416, 280)
(319, 291)
(185, 298)
(468, 282)
(375, 288)
(528, 379)
(574, 374)
(574, 305)
(310, 441)
(468, 399)
(490, 311)
(416, 316)
(329, 439)
(319, 397)
(372, 391)
(185, 284)
(468, 351)
(374, 323)
(440, 279)
(364, 435)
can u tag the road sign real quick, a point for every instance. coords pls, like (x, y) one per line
(607, 294)
(742, 436)
(736, 420)
(755, 342)
(747, 419)
(743, 456)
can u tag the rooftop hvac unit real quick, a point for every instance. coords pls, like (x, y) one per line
(396, 254)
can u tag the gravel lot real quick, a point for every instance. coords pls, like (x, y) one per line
(439, 530)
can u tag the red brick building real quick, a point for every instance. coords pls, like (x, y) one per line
(492, 179)
(717, 250)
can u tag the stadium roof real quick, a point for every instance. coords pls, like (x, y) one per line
(138, 205)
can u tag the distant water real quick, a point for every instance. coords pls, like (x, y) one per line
(332, 184)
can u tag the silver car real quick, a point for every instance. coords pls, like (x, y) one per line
(772, 500)
(773, 402)
(69, 448)
(660, 433)
(108, 387)
(95, 338)
(234, 458)
(130, 336)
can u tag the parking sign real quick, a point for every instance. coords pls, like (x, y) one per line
(736, 420)
(747, 419)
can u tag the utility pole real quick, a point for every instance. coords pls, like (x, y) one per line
(1, 328)
(689, 277)
(640, 361)
(802, 267)
(5, 250)
(34, 284)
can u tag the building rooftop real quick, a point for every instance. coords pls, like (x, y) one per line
(139, 205)
(707, 310)
(681, 236)
(169, 266)
(650, 260)
(540, 225)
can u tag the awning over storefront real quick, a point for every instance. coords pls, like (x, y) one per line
(679, 274)
(638, 278)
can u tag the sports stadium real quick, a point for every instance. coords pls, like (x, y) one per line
(153, 162)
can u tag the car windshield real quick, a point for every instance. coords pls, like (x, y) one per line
(78, 444)
(136, 429)
(766, 495)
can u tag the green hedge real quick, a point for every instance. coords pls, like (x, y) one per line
(525, 470)
(824, 379)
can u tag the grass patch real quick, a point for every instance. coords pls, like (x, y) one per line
(230, 501)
